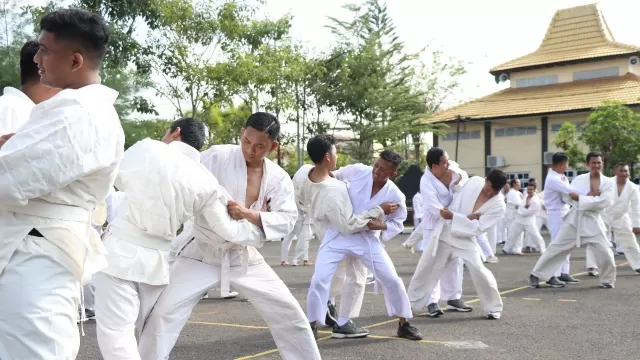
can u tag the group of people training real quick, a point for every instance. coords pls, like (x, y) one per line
(182, 222)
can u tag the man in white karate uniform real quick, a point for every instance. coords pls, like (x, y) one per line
(437, 186)
(582, 225)
(342, 233)
(350, 278)
(525, 222)
(262, 193)
(623, 216)
(556, 186)
(302, 230)
(165, 185)
(55, 170)
(16, 104)
(513, 198)
(541, 219)
(474, 209)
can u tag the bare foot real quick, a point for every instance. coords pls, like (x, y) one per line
(284, 263)
(307, 263)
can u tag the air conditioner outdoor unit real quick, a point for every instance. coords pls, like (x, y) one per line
(495, 161)
(547, 158)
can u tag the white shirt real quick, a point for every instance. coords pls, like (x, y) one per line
(555, 185)
(15, 109)
(417, 206)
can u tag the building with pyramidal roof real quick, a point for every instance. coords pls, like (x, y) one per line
(577, 66)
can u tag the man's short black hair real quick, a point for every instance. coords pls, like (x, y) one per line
(86, 29)
(392, 157)
(192, 132)
(433, 156)
(263, 121)
(28, 67)
(621, 164)
(593, 154)
(497, 178)
(533, 185)
(513, 181)
(559, 158)
(532, 180)
(318, 146)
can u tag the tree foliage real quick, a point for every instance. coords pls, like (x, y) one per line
(568, 140)
(614, 130)
(138, 130)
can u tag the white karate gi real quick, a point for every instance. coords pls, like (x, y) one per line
(55, 170)
(302, 229)
(209, 259)
(350, 277)
(364, 245)
(436, 196)
(485, 246)
(525, 222)
(555, 186)
(15, 109)
(418, 214)
(621, 217)
(582, 225)
(541, 219)
(455, 239)
(165, 186)
(514, 198)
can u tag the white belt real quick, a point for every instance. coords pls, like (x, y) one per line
(51, 211)
(134, 235)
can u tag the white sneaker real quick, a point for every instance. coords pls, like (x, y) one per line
(494, 315)
(492, 260)
(230, 295)
(409, 248)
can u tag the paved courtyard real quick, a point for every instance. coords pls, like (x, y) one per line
(580, 321)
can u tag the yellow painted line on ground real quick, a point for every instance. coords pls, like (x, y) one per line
(532, 299)
(422, 314)
(567, 300)
(225, 324)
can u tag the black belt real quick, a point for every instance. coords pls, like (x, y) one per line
(35, 233)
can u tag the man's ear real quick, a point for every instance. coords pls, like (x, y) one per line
(274, 146)
(76, 61)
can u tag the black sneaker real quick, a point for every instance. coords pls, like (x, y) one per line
(458, 305)
(349, 331)
(534, 282)
(592, 271)
(568, 279)
(330, 319)
(408, 331)
(554, 282)
(89, 314)
(638, 271)
(434, 310)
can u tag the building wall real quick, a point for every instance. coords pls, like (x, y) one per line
(565, 72)
(470, 146)
(519, 142)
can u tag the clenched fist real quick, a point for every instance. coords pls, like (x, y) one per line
(5, 138)
(388, 207)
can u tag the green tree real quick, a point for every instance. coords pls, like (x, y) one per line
(135, 131)
(568, 140)
(14, 26)
(225, 122)
(613, 129)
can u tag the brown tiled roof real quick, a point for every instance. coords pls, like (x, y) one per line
(536, 100)
(577, 33)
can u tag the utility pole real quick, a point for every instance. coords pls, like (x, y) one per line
(457, 136)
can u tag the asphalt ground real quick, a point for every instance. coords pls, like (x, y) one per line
(581, 321)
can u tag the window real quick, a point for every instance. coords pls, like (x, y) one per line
(537, 81)
(579, 125)
(464, 135)
(572, 173)
(523, 176)
(595, 74)
(516, 131)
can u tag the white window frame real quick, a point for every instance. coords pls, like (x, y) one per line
(464, 135)
(537, 81)
(596, 73)
(515, 131)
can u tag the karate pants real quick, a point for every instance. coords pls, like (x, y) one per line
(38, 304)
(433, 266)
(90, 294)
(420, 244)
(304, 235)
(123, 307)
(375, 258)
(554, 221)
(515, 241)
(485, 246)
(449, 286)
(501, 231)
(191, 279)
(565, 243)
(349, 282)
(626, 239)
